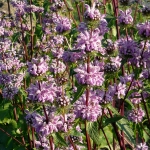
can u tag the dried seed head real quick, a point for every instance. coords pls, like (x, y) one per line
(74, 138)
(110, 68)
(63, 101)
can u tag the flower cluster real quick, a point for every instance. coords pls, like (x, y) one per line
(37, 66)
(63, 24)
(136, 115)
(42, 92)
(128, 48)
(125, 17)
(89, 41)
(144, 29)
(92, 13)
(94, 77)
(60, 64)
(89, 112)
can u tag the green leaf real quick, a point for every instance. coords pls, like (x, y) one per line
(75, 133)
(114, 110)
(38, 31)
(58, 139)
(109, 134)
(34, 39)
(5, 111)
(80, 90)
(146, 131)
(137, 72)
(9, 141)
(123, 125)
(112, 120)
(92, 129)
(27, 38)
(109, 9)
(114, 31)
(130, 103)
(15, 37)
(34, 16)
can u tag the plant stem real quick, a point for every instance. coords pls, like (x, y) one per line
(79, 13)
(117, 132)
(126, 93)
(31, 23)
(46, 116)
(51, 142)
(11, 136)
(29, 137)
(136, 9)
(70, 12)
(87, 99)
(115, 5)
(73, 145)
(87, 138)
(9, 12)
(104, 3)
(145, 107)
(23, 42)
(33, 139)
(106, 138)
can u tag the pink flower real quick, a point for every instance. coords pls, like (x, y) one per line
(121, 89)
(116, 61)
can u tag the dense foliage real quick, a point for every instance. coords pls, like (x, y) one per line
(75, 75)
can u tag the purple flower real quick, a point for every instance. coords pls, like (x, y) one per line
(92, 13)
(141, 146)
(145, 74)
(135, 98)
(11, 63)
(57, 40)
(4, 45)
(89, 41)
(67, 120)
(5, 79)
(42, 92)
(116, 61)
(37, 66)
(53, 125)
(136, 115)
(125, 17)
(43, 145)
(69, 56)
(82, 27)
(93, 78)
(63, 24)
(126, 78)
(57, 4)
(104, 97)
(33, 8)
(33, 118)
(9, 92)
(121, 89)
(16, 79)
(57, 52)
(57, 66)
(103, 27)
(1, 31)
(128, 48)
(90, 112)
(144, 29)
(20, 7)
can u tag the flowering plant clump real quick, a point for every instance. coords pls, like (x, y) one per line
(75, 75)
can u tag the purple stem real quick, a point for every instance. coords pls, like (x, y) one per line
(117, 132)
